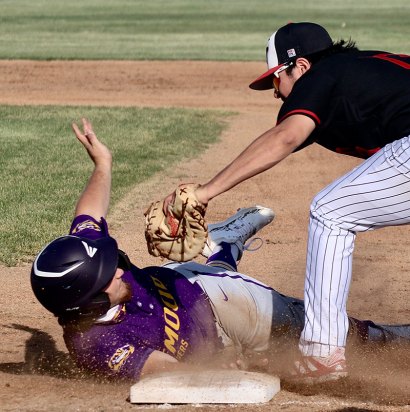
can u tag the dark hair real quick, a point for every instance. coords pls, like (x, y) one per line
(340, 46)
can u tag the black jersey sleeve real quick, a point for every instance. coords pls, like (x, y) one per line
(310, 97)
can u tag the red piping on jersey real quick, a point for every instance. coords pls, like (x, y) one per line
(392, 58)
(357, 151)
(301, 111)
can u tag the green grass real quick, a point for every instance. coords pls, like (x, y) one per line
(44, 169)
(187, 29)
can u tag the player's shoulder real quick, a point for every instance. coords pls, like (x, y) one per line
(152, 277)
(381, 58)
(394, 68)
(82, 223)
(342, 60)
(88, 227)
(359, 65)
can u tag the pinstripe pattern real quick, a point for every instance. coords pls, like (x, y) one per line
(374, 195)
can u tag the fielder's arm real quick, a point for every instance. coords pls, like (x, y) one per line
(95, 199)
(262, 154)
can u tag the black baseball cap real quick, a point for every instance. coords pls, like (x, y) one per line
(288, 43)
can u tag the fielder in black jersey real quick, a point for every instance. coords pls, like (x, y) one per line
(358, 101)
(352, 102)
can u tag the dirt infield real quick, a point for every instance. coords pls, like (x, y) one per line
(36, 373)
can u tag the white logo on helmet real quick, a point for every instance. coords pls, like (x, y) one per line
(45, 274)
(89, 249)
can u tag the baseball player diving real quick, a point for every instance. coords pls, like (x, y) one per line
(123, 321)
(351, 102)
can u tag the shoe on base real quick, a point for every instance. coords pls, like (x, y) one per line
(311, 370)
(238, 228)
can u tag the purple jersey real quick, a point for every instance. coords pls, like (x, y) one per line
(166, 313)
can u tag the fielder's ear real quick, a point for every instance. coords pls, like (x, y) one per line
(303, 64)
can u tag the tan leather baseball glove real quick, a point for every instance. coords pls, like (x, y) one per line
(181, 233)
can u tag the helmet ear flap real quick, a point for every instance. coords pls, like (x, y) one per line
(98, 306)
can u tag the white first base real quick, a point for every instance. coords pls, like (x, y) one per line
(214, 386)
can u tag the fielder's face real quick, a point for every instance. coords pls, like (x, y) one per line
(283, 83)
(118, 291)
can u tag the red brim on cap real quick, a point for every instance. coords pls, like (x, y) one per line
(265, 81)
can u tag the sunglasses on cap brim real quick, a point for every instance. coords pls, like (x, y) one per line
(276, 78)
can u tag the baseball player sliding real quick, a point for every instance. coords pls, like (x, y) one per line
(123, 321)
(351, 102)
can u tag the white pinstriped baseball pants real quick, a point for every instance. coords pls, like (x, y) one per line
(373, 195)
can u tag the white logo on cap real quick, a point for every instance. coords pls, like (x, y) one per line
(291, 52)
(90, 250)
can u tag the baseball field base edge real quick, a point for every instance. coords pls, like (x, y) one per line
(212, 386)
